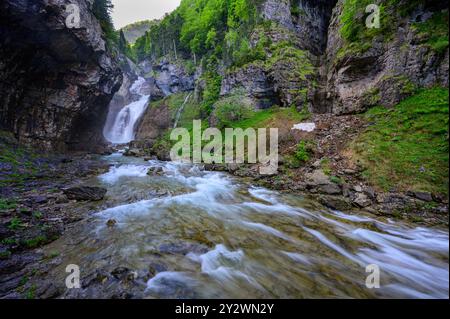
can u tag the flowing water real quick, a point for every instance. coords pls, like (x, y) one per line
(123, 130)
(209, 235)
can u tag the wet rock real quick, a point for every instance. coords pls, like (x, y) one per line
(362, 200)
(111, 223)
(85, 193)
(182, 248)
(95, 279)
(61, 199)
(154, 269)
(124, 273)
(133, 152)
(424, 196)
(40, 199)
(155, 171)
(318, 177)
(335, 202)
(330, 189)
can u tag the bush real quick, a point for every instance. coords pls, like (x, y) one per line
(232, 109)
(303, 152)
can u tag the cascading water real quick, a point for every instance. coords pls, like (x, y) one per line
(123, 129)
(186, 233)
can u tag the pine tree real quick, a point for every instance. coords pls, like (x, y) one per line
(102, 10)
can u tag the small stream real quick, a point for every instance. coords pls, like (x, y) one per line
(209, 235)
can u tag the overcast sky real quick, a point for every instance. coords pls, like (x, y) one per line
(129, 11)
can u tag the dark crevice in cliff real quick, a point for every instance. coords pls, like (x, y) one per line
(312, 23)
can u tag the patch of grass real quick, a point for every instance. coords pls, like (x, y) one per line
(407, 147)
(15, 224)
(31, 292)
(7, 204)
(303, 152)
(9, 241)
(35, 242)
(37, 215)
(325, 165)
(336, 180)
(273, 115)
(5, 254)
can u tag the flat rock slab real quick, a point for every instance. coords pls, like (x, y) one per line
(85, 193)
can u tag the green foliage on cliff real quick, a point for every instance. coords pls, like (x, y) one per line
(202, 28)
(359, 37)
(102, 11)
(407, 147)
(434, 31)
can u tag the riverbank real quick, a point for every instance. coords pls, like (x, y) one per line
(38, 217)
(36, 209)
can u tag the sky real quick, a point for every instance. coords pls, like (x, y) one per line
(129, 11)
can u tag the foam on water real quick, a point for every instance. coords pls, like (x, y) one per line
(413, 261)
(116, 172)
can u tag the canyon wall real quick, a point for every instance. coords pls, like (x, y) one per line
(55, 82)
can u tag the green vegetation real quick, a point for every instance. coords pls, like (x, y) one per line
(102, 11)
(19, 162)
(35, 242)
(272, 117)
(15, 224)
(5, 254)
(434, 31)
(359, 38)
(407, 147)
(232, 109)
(303, 152)
(7, 204)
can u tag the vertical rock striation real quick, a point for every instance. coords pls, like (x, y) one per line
(55, 82)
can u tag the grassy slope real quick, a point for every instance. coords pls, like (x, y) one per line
(407, 147)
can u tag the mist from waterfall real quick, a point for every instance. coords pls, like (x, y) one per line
(123, 129)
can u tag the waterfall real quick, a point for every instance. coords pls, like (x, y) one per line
(180, 110)
(123, 130)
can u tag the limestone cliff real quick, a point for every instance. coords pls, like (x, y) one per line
(55, 82)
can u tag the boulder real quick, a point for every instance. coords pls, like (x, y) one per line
(362, 200)
(85, 193)
(423, 196)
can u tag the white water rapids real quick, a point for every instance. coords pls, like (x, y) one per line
(209, 235)
(123, 130)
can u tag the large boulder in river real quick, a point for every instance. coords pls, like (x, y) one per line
(85, 193)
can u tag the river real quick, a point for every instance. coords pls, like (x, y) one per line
(210, 235)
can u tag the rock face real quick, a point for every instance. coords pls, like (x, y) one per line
(344, 80)
(172, 78)
(288, 77)
(256, 83)
(388, 70)
(55, 82)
